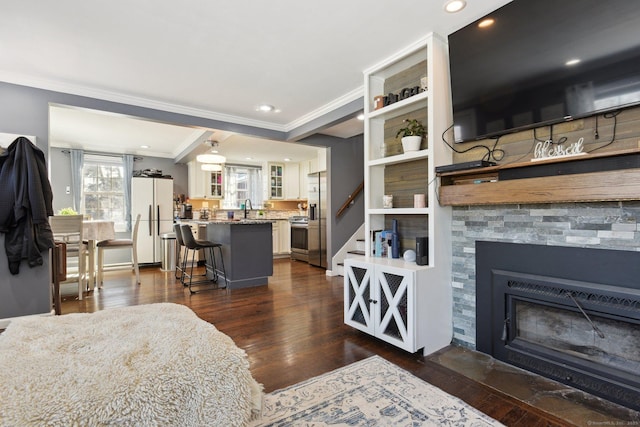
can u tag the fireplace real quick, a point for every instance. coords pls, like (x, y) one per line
(569, 314)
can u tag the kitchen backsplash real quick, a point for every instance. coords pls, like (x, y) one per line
(254, 214)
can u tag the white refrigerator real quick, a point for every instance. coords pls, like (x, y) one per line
(152, 198)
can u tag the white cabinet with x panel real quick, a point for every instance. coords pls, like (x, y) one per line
(393, 301)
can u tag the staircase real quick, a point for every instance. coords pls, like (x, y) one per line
(354, 247)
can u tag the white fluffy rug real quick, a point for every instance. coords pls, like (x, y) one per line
(147, 365)
(371, 392)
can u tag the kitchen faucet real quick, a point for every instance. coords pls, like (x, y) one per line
(247, 202)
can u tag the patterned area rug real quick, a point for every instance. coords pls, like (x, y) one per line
(371, 392)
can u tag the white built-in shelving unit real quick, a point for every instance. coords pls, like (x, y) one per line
(398, 301)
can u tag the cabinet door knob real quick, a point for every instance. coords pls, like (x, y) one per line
(373, 301)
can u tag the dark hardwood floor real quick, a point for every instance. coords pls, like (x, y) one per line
(292, 329)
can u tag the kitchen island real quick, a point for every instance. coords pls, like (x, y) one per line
(247, 250)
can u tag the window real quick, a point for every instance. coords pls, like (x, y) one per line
(103, 189)
(242, 182)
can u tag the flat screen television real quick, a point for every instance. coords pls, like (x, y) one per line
(515, 75)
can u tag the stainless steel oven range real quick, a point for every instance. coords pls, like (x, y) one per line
(299, 238)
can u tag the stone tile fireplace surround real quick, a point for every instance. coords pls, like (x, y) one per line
(608, 225)
(611, 225)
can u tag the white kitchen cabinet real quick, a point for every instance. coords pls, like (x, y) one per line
(313, 165)
(275, 237)
(204, 184)
(275, 181)
(196, 180)
(318, 163)
(284, 233)
(304, 179)
(281, 237)
(322, 160)
(393, 301)
(214, 184)
(292, 181)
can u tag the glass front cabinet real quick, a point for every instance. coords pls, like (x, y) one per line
(276, 181)
(215, 187)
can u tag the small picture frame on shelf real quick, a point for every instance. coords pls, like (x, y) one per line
(378, 102)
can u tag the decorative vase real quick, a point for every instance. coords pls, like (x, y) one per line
(411, 143)
(395, 240)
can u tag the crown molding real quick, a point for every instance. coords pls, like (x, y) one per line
(74, 89)
(327, 108)
(79, 90)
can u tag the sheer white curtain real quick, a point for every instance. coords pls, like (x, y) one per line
(127, 164)
(77, 162)
(242, 182)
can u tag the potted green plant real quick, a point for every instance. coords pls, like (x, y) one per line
(67, 211)
(411, 134)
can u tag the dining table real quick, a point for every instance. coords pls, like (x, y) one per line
(93, 231)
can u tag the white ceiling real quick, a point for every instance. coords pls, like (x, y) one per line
(98, 131)
(215, 59)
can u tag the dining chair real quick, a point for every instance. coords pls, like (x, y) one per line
(194, 245)
(68, 229)
(120, 244)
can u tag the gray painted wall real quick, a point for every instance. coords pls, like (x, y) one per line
(345, 167)
(28, 292)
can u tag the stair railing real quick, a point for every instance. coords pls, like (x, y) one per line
(350, 200)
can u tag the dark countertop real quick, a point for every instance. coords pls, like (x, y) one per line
(248, 221)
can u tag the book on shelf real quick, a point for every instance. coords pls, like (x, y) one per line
(373, 237)
(381, 245)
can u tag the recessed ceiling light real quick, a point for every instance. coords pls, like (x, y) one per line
(266, 108)
(286, 159)
(360, 117)
(248, 158)
(486, 23)
(571, 62)
(453, 6)
(144, 146)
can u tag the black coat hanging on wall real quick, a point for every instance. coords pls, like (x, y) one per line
(25, 204)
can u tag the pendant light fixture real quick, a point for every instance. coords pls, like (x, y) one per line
(211, 158)
(211, 167)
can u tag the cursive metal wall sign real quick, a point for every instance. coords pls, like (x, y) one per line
(548, 150)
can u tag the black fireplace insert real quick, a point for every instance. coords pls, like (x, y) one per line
(569, 314)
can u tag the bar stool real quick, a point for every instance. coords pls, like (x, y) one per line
(181, 259)
(182, 267)
(194, 245)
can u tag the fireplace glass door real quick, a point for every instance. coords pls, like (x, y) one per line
(595, 339)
